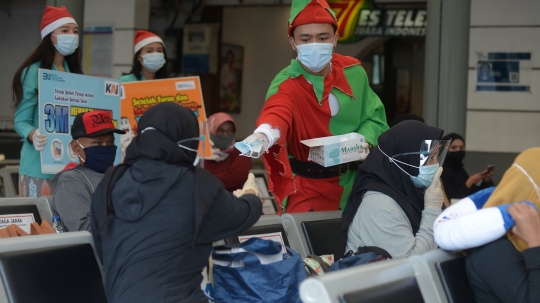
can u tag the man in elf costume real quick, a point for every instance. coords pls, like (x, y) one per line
(319, 94)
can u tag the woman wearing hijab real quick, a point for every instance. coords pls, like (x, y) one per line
(504, 264)
(227, 164)
(155, 217)
(397, 193)
(457, 182)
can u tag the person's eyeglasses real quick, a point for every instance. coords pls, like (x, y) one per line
(225, 131)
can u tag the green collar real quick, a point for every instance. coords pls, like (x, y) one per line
(295, 70)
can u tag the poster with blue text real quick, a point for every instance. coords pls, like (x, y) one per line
(61, 97)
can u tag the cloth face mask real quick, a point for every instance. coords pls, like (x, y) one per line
(153, 61)
(222, 142)
(315, 56)
(66, 44)
(99, 158)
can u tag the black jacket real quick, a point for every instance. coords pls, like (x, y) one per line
(454, 180)
(498, 272)
(146, 250)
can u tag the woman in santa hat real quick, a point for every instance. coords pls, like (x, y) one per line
(149, 62)
(59, 50)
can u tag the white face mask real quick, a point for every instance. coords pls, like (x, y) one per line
(536, 187)
(66, 44)
(315, 56)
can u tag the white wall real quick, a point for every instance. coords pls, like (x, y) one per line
(18, 38)
(263, 33)
(126, 16)
(504, 121)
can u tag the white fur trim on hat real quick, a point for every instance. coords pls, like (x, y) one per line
(56, 24)
(146, 41)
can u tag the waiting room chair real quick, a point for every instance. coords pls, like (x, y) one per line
(50, 268)
(390, 281)
(12, 206)
(265, 225)
(318, 233)
(442, 277)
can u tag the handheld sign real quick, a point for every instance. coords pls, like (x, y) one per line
(138, 97)
(61, 97)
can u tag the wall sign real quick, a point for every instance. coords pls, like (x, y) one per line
(358, 19)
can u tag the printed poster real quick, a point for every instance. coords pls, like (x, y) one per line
(138, 97)
(61, 97)
(503, 72)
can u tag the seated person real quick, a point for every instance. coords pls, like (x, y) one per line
(504, 262)
(154, 219)
(457, 182)
(227, 164)
(397, 193)
(74, 186)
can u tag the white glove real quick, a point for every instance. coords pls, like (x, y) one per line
(39, 140)
(218, 155)
(250, 184)
(434, 196)
(253, 146)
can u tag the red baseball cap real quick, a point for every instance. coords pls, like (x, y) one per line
(93, 124)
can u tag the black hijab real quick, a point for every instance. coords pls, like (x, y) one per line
(379, 174)
(454, 160)
(159, 130)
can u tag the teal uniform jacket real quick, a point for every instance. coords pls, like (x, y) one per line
(27, 119)
(131, 78)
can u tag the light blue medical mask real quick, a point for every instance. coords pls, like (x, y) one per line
(426, 173)
(315, 56)
(152, 62)
(251, 149)
(66, 44)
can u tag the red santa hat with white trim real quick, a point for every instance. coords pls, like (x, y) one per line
(143, 38)
(53, 18)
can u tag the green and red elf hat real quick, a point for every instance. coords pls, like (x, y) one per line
(310, 11)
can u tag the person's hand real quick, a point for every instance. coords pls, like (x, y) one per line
(477, 178)
(218, 155)
(434, 196)
(253, 146)
(39, 140)
(487, 176)
(527, 223)
(250, 187)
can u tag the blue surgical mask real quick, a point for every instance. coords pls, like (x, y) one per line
(99, 158)
(251, 149)
(152, 62)
(66, 44)
(426, 173)
(315, 56)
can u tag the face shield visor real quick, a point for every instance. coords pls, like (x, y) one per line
(432, 154)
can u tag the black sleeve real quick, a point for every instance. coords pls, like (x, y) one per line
(93, 224)
(499, 273)
(229, 216)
